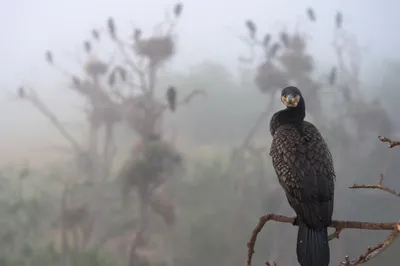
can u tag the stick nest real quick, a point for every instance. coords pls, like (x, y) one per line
(157, 49)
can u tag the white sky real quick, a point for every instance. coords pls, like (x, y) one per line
(206, 31)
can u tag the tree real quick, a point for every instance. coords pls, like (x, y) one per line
(119, 90)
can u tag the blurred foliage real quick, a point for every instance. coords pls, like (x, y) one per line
(47, 256)
(216, 211)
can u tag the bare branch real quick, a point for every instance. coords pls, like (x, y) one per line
(187, 98)
(190, 96)
(377, 186)
(389, 141)
(339, 226)
(128, 60)
(39, 104)
(374, 251)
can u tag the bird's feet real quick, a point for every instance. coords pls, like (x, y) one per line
(296, 221)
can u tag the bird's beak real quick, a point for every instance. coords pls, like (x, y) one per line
(290, 100)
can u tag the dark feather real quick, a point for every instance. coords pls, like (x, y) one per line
(111, 27)
(95, 34)
(251, 27)
(332, 76)
(21, 92)
(311, 14)
(111, 79)
(137, 34)
(171, 98)
(273, 50)
(304, 166)
(76, 81)
(49, 57)
(88, 46)
(339, 20)
(178, 9)
(266, 40)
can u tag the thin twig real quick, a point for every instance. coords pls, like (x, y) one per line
(374, 251)
(391, 143)
(339, 227)
(128, 60)
(377, 186)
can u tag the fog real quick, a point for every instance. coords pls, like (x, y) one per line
(203, 213)
(28, 28)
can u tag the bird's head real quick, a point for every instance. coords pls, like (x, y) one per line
(291, 96)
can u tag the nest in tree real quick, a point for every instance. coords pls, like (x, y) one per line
(297, 64)
(157, 49)
(95, 67)
(269, 77)
(151, 164)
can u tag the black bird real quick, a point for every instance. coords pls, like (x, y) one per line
(311, 14)
(251, 27)
(49, 57)
(304, 166)
(171, 98)
(178, 9)
(137, 34)
(339, 20)
(266, 40)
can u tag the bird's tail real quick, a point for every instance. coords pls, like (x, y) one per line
(312, 246)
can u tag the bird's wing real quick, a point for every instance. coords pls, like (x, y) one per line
(304, 168)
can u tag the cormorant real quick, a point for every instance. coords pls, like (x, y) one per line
(304, 166)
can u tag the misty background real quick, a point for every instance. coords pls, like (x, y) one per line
(226, 183)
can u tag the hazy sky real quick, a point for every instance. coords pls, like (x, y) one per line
(206, 31)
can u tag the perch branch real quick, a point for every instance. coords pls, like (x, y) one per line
(190, 96)
(186, 100)
(391, 143)
(339, 226)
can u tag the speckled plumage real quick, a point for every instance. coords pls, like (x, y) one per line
(304, 166)
(305, 170)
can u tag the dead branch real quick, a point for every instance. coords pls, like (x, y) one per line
(374, 251)
(136, 69)
(190, 96)
(339, 226)
(377, 186)
(389, 141)
(40, 105)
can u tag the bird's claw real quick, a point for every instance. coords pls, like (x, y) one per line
(295, 221)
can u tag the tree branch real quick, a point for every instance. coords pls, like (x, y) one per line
(377, 186)
(339, 226)
(39, 104)
(389, 141)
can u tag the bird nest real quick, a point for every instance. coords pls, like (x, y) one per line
(95, 67)
(151, 161)
(157, 49)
